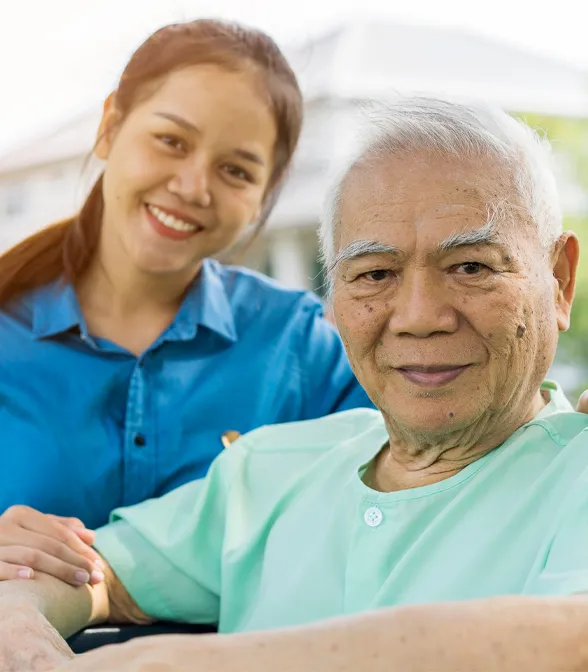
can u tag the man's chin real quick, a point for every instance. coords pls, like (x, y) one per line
(426, 419)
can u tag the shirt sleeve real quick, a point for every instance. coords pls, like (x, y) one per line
(167, 552)
(564, 565)
(329, 383)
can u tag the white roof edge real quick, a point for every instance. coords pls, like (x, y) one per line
(57, 145)
(512, 100)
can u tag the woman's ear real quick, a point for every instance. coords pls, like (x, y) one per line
(106, 130)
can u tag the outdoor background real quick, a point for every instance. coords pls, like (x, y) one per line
(60, 58)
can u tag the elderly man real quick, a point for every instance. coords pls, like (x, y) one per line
(451, 279)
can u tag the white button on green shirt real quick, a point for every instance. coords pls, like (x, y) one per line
(283, 530)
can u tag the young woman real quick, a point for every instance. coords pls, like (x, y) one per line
(126, 352)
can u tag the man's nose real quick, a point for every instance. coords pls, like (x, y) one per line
(422, 306)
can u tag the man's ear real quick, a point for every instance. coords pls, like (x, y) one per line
(106, 130)
(565, 257)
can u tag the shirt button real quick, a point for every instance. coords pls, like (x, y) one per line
(373, 516)
(139, 440)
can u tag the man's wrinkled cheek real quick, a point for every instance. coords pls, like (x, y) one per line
(502, 323)
(361, 331)
(519, 348)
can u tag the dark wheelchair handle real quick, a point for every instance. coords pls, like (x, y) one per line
(92, 638)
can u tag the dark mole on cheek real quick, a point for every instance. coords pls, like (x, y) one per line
(521, 330)
(451, 414)
(369, 308)
(507, 259)
(380, 342)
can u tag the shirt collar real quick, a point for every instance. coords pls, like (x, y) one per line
(56, 310)
(206, 304)
(558, 402)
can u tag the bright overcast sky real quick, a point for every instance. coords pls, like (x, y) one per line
(60, 57)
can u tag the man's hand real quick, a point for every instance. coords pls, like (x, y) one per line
(28, 643)
(582, 406)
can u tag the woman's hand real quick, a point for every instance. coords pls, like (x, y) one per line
(28, 643)
(32, 541)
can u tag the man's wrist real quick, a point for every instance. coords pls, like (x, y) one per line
(19, 595)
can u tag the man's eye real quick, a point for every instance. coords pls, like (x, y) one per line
(377, 275)
(472, 268)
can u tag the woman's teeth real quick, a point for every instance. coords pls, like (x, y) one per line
(169, 220)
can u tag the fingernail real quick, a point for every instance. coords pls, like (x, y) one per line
(82, 576)
(25, 573)
(99, 563)
(97, 576)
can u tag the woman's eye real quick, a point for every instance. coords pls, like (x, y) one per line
(172, 142)
(238, 173)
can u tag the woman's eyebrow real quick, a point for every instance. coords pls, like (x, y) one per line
(180, 121)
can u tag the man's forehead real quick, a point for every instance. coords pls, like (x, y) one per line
(448, 203)
(445, 181)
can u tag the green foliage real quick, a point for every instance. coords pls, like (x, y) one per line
(568, 136)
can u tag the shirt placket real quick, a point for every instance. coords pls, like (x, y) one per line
(139, 480)
(371, 527)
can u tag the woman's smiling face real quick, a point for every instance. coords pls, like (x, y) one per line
(187, 170)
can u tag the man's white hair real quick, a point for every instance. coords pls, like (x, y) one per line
(420, 124)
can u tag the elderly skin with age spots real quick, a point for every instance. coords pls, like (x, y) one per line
(445, 531)
(446, 305)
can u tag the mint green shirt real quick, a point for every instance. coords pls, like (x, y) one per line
(283, 531)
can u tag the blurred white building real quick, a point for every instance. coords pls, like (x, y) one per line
(44, 180)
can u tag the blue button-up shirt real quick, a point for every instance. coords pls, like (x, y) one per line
(85, 426)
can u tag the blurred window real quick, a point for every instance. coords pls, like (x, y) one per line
(15, 200)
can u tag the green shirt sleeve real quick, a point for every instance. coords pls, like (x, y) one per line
(564, 561)
(167, 551)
